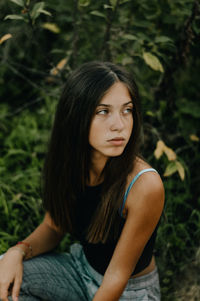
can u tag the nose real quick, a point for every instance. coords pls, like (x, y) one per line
(117, 122)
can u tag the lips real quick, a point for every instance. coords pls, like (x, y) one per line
(117, 141)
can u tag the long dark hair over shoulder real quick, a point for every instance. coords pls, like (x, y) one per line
(67, 165)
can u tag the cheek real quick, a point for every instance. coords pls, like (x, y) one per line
(130, 127)
(94, 134)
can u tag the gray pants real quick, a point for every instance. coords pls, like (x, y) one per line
(69, 277)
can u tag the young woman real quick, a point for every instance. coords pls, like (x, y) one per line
(97, 188)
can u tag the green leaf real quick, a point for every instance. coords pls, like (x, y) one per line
(152, 61)
(38, 9)
(163, 39)
(123, 1)
(97, 13)
(113, 3)
(4, 203)
(14, 152)
(84, 2)
(129, 37)
(18, 2)
(127, 60)
(186, 106)
(45, 12)
(174, 166)
(38, 6)
(107, 6)
(171, 169)
(150, 113)
(13, 17)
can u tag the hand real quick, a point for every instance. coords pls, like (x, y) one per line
(11, 272)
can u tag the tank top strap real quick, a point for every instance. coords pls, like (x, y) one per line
(130, 186)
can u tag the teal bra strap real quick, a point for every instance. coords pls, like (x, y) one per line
(131, 184)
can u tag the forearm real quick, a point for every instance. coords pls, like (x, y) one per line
(43, 239)
(106, 295)
(110, 291)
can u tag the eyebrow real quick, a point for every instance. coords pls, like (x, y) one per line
(106, 105)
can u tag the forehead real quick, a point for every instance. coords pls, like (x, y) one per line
(117, 94)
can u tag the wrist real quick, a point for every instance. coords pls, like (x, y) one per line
(25, 247)
(18, 250)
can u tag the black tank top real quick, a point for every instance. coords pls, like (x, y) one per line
(99, 255)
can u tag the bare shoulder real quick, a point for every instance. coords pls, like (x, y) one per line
(148, 190)
(151, 179)
(138, 165)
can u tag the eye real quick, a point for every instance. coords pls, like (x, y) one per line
(102, 112)
(128, 110)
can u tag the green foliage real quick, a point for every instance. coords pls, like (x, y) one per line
(158, 41)
(28, 14)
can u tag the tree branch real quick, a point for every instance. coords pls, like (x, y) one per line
(166, 88)
(106, 52)
(21, 108)
(30, 82)
(188, 34)
(75, 34)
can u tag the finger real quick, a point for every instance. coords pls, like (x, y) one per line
(4, 292)
(16, 289)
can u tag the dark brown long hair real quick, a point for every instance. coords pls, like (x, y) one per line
(67, 164)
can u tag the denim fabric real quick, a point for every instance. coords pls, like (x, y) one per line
(69, 277)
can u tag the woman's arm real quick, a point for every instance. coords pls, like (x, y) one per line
(43, 239)
(144, 207)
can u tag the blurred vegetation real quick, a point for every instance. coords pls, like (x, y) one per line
(158, 41)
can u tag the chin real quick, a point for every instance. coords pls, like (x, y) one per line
(115, 153)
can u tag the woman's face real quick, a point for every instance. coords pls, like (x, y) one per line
(112, 124)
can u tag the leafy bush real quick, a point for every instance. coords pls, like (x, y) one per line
(155, 40)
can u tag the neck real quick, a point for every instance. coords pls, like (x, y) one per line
(97, 166)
